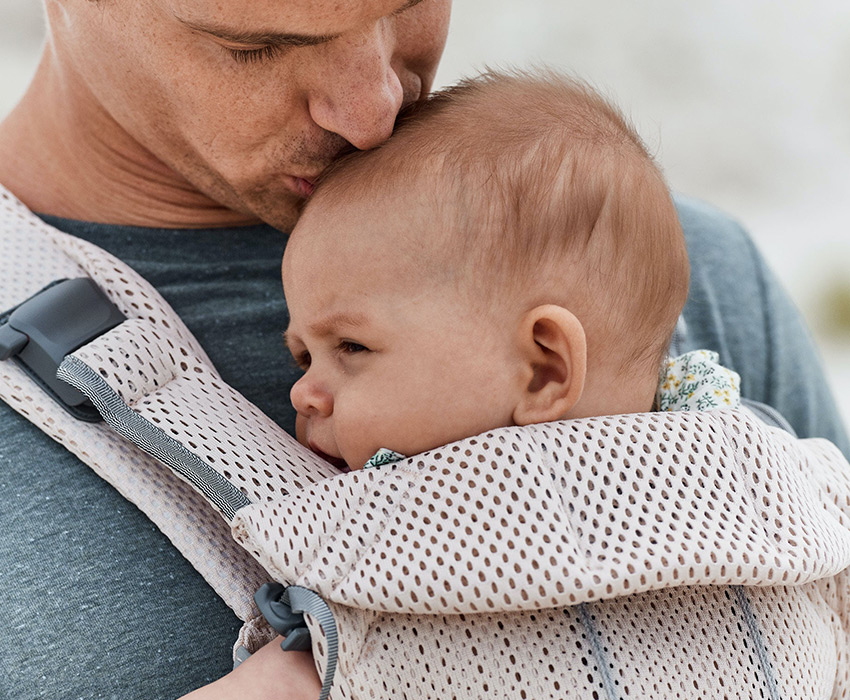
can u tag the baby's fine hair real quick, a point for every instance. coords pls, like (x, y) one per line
(542, 187)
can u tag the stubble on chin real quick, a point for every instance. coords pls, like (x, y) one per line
(280, 210)
(273, 201)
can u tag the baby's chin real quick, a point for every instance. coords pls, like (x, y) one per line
(337, 462)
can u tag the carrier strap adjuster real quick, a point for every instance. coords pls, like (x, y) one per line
(273, 601)
(53, 323)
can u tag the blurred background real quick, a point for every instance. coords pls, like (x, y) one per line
(746, 103)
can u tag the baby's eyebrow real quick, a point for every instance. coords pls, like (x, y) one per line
(327, 326)
(342, 319)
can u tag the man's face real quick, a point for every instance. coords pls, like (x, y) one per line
(394, 353)
(249, 101)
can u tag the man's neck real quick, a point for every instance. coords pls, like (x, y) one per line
(63, 155)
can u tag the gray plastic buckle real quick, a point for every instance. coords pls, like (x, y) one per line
(55, 322)
(273, 602)
(240, 656)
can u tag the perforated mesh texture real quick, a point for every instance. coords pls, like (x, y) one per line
(181, 394)
(34, 255)
(675, 535)
(563, 513)
(676, 643)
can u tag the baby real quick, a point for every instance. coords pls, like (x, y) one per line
(511, 256)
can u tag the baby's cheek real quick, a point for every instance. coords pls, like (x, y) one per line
(359, 436)
(356, 456)
(301, 429)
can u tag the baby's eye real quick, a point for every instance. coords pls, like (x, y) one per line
(302, 360)
(350, 347)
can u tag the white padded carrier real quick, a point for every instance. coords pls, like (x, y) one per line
(658, 555)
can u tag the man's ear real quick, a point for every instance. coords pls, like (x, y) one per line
(554, 351)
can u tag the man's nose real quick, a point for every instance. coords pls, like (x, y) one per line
(361, 100)
(309, 398)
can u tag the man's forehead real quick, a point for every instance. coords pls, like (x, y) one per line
(324, 18)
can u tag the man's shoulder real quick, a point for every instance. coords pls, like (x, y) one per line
(738, 308)
(727, 271)
(709, 231)
(727, 308)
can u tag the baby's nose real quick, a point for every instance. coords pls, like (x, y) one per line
(309, 398)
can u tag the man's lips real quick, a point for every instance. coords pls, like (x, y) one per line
(303, 185)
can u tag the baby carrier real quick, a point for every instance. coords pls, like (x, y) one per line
(657, 555)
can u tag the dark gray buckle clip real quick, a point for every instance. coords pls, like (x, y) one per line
(61, 318)
(273, 602)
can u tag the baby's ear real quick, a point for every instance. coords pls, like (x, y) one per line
(554, 351)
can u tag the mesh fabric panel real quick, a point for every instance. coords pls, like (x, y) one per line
(563, 513)
(664, 645)
(34, 255)
(180, 393)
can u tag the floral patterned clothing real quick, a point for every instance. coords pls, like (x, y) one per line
(382, 457)
(696, 381)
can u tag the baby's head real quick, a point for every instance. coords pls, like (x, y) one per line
(510, 256)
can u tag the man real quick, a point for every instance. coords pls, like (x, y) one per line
(166, 131)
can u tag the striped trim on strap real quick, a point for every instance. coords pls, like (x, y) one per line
(152, 439)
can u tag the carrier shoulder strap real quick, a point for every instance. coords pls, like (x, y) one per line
(149, 356)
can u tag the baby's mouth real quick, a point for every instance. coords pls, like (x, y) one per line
(337, 462)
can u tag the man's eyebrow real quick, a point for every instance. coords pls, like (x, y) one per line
(260, 38)
(263, 38)
(408, 5)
